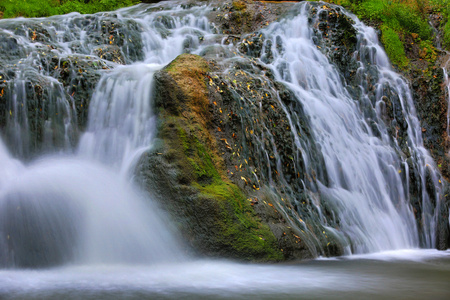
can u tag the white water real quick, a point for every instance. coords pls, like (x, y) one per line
(447, 83)
(121, 124)
(83, 208)
(417, 274)
(364, 171)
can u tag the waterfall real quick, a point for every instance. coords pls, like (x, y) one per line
(367, 182)
(78, 204)
(447, 83)
(76, 115)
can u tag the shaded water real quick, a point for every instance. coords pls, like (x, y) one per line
(411, 274)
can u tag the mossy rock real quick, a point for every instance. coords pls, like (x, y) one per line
(187, 175)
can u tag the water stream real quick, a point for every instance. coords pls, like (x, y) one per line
(79, 205)
(408, 274)
(67, 196)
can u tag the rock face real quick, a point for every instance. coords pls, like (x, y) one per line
(252, 165)
(46, 81)
(188, 176)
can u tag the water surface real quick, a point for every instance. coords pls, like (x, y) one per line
(405, 274)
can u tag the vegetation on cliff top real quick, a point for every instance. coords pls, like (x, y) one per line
(45, 8)
(401, 20)
(397, 19)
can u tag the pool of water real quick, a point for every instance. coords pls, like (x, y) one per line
(406, 274)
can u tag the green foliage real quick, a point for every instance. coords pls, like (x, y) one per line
(396, 15)
(443, 7)
(393, 46)
(28, 8)
(407, 19)
(370, 9)
(428, 51)
(398, 18)
(44, 8)
(446, 37)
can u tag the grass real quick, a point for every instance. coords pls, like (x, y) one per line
(45, 8)
(393, 46)
(400, 18)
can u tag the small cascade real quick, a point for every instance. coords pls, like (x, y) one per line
(121, 124)
(447, 83)
(362, 181)
(37, 116)
(81, 206)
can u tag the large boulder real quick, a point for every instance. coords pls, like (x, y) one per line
(188, 176)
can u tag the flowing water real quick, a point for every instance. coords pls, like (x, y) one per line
(359, 164)
(408, 274)
(67, 196)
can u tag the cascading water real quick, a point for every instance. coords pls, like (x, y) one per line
(82, 207)
(366, 188)
(447, 82)
(79, 205)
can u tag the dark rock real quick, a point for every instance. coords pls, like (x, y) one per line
(186, 174)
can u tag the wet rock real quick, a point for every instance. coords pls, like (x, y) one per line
(443, 227)
(9, 48)
(258, 147)
(336, 37)
(187, 174)
(432, 106)
(110, 53)
(244, 16)
(34, 115)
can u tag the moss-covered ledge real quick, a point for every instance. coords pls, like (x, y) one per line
(186, 174)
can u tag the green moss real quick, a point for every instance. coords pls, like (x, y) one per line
(189, 71)
(242, 230)
(199, 157)
(428, 51)
(45, 8)
(233, 227)
(446, 30)
(238, 228)
(397, 19)
(393, 46)
(239, 5)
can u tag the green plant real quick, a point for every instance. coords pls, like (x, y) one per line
(407, 19)
(44, 8)
(393, 46)
(446, 37)
(428, 51)
(369, 9)
(399, 18)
